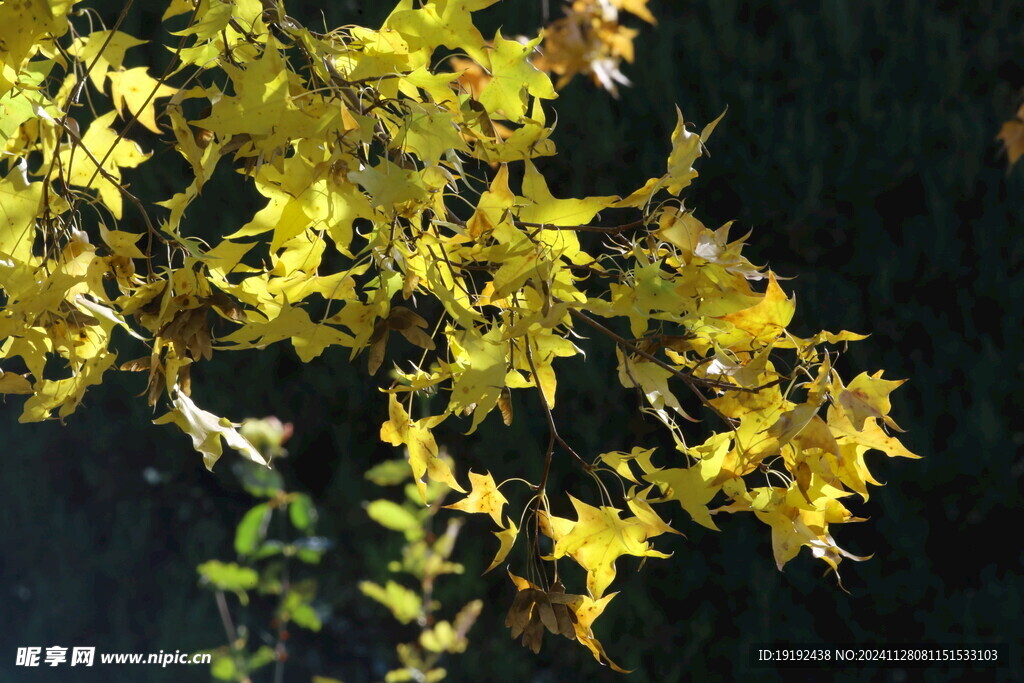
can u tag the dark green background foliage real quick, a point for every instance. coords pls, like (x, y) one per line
(859, 147)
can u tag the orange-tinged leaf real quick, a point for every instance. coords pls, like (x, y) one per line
(868, 396)
(1012, 135)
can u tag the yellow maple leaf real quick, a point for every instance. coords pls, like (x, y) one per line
(134, 92)
(492, 205)
(478, 386)
(65, 395)
(484, 497)
(441, 22)
(24, 25)
(686, 147)
(429, 131)
(81, 168)
(868, 396)
(13, 383)
(597, 538)
(206, 431)
(762, 322)
(423, 453)
(870, 435)
(513, 77)
(586, 612)
(19, 205)
(506, 539)
(261, 102)
(694, 487)
(104, 55)
(540, 206)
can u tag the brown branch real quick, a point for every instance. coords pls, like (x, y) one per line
(686, 377)
(105, 174)
(553, 430)
(613, 230)
(626, 344)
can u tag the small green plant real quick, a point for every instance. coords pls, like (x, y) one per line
(425, 558)
(271, 536)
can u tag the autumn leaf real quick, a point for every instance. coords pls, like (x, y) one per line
(597, 538)
(513, 78)
(423, 452)
(1012, 135)
(484, 497)
(207, 430)
(134, 92)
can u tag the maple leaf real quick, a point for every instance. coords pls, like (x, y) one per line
(429, 133)
(506, 539)
(513, 77)
(597, 538)
(19, 205)
(541, 207)
(586, 612)
(868, 396)
(262, 101)
(762, 322)
(484, 497)
(105, 55)
(309, 338)
(206, 431)
(13, 383)
(423, 454)
(102, 142)
(441, 22)
(694, 487)
(25, 24)
(134, 91)
(478, 385)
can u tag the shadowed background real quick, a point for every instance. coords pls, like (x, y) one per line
(859, 148)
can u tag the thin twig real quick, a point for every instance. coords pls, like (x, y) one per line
(225, 617)
(615, 229)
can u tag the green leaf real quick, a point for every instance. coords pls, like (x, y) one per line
(302, 512)
(228, 576)
(396, 517)
(389, 472)
(252, 529)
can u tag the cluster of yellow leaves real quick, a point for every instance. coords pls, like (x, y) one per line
(399, 198)
(589, 40)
